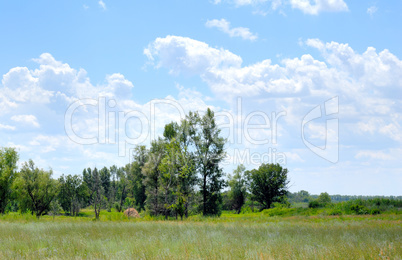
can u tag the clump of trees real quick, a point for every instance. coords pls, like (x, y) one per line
(178, 175)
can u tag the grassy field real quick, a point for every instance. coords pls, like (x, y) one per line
(250, 236)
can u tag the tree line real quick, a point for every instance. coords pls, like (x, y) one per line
(178, 175)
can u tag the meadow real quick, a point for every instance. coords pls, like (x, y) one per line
(232, 236)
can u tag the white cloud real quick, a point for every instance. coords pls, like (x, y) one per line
(224, 26)
(366, 83)
(314, 7)
(376, 155)
(26, 119)
(185, 55)
(102, 4)
(372, 10)
(7, 127)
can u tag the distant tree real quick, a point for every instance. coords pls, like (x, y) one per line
(268, 184)
(36, 188)
(136, 177)
(152, 177)
(168, 169)
(73, 193)
(324, 198)
(8, 173)
(55, 208)
(238, 189)
(97, 191)
(209, 152)
(122, 188)
(105, 178)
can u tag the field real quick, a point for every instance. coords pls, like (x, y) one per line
(250, 236)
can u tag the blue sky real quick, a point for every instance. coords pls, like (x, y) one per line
(274, 56)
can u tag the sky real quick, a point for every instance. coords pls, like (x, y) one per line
(315, 85)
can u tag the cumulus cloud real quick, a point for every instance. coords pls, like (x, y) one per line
(314, 7)
(46, 92)
(102, 4)
(311, 7)
(26, 119)
(224, 26)
(372, 10)
(366, 83)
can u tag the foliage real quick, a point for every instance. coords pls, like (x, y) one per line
(268, 184)
(209, 152)
(36, 189)
(8, 173)
(238, 188)
(73, 194)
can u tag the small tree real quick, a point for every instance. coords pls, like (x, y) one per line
(36, 188)
(268, 184)
(238, 191)
(55, 208)
(180, 206)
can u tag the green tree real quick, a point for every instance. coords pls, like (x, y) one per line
(97, 191)
(136, 177)
(152, 177)
(122, 180)
(238, 188)
(55, 208)
(268, 184)
(8, 173)
(73, 193)
(209, 152)
(36, 188)
(324, 199)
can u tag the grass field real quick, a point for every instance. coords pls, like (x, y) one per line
(251, 236)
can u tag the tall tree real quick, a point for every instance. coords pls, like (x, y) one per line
(73, 193)
(97, 192)
(36, 188)
(105, 178)
(8, 173)
(152, 176)
(238, 188)
(122, 187)
(209, 152)
(268, 184)
(136, 177)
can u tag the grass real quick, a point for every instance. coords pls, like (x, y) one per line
(232, 236)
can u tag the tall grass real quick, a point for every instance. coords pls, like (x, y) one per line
(233, 236)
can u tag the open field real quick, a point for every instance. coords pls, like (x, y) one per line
(252, 236)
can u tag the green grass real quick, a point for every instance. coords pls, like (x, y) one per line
(232, 236)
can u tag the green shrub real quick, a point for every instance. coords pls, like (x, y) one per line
(314, 204)
(335, 212)
(375, 212)
(359, 209)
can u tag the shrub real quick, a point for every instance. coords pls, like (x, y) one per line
(314, 204)
(335, 212)
(359, 209)
(375, 212)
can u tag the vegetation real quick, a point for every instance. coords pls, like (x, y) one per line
(179, 175)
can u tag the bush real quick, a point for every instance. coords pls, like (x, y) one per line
(375, 212)
(359, 209)
(335, 212)
(314, 204)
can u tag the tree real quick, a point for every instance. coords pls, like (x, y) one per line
(36, 188)
(73, 193)
(55, 208)
(8, 173)
(268, 184)
(168, 169)
(238, 189)
(105, 178)
(209, 152)
(136, 177)
(152, 176)
(122, 186)
(97, 191)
